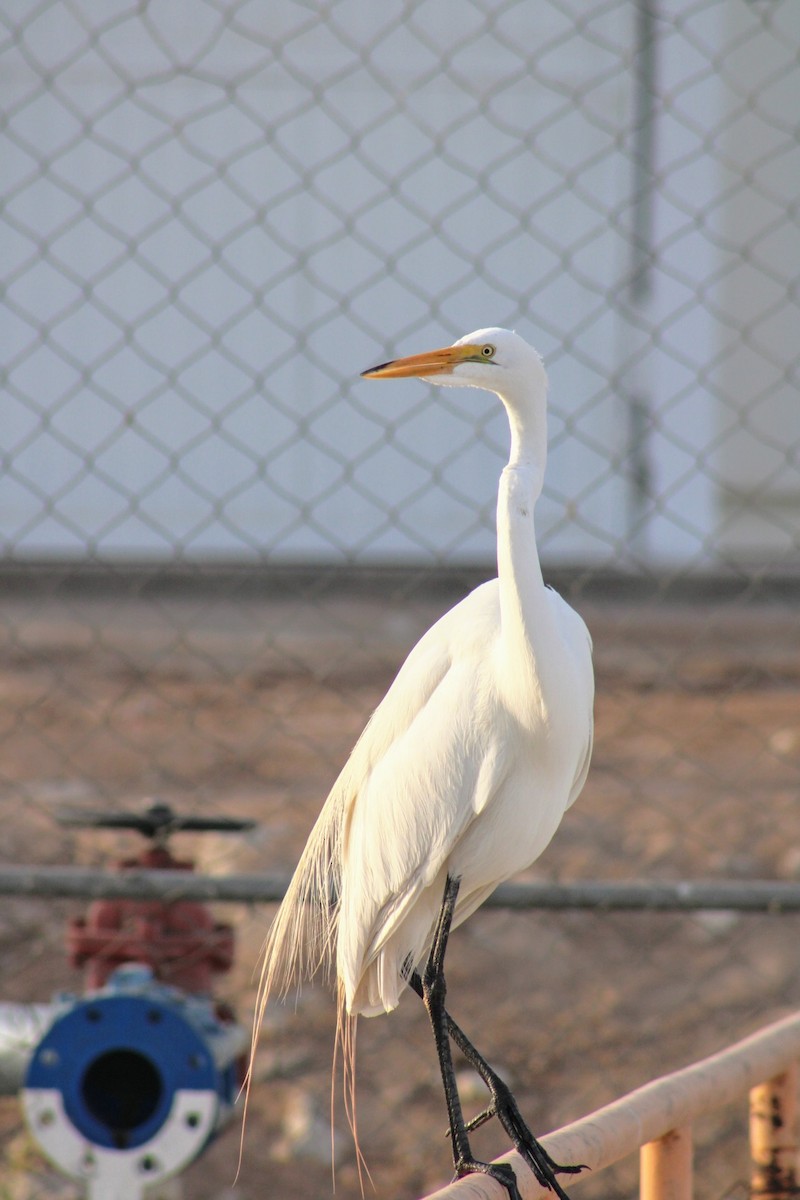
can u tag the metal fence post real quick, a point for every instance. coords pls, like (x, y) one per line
(665, 1167)
(773, 1137)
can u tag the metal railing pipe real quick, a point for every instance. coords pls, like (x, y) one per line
(682, 895)
(653, 1111)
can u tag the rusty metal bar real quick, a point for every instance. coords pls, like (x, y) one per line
(773, 1138)
(665, 1167)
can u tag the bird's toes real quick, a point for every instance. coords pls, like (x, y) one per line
(538, 1159)
(572, 1169)
(477, 1121)
(543, 1165)
(502, 1172)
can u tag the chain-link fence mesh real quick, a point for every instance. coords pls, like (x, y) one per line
(219, 543)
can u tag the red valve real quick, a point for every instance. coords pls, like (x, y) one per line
(179, 940)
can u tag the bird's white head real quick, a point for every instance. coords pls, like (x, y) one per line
(497, 360)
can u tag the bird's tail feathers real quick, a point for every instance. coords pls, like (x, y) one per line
(302, 939)
(346, 1029)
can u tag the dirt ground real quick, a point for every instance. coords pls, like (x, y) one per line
(219, 703)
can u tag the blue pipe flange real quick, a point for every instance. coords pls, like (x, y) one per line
(128, 1085)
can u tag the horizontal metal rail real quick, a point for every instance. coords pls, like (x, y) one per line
(86, 883)
(657, 1120)
(681, 895)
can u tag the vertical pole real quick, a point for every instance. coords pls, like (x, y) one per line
(634, 383)
(643, 151)
(773, 1138)
(665, 1167)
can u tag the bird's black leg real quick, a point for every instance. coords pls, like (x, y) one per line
(504, 1107)
(432, 988)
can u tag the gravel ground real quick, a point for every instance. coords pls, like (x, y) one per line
(249, 707)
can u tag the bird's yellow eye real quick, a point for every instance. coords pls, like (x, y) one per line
(487, 351)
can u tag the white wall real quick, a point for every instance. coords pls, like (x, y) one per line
(215, 220)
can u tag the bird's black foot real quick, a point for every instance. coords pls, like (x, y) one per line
(504, 1107)
(502, 1172)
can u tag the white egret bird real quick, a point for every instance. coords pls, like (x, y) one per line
(463, 773)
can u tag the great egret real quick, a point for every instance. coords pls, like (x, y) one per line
(461, 776)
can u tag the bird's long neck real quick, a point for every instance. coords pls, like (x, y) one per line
(525, 613)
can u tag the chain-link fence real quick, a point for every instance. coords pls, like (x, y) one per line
(219, 542)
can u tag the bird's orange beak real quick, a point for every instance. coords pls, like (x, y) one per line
(432, 362)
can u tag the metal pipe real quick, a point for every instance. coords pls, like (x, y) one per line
(22, 1027)
(665, 1167)
(773, 1137)
(643, 152)
(759, 895)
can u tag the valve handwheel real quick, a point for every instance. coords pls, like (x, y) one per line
(156, 822)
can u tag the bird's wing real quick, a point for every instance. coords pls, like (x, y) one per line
(577, 639)
(304, 934)
(430, 662)
(583, 770)
(425, 766)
